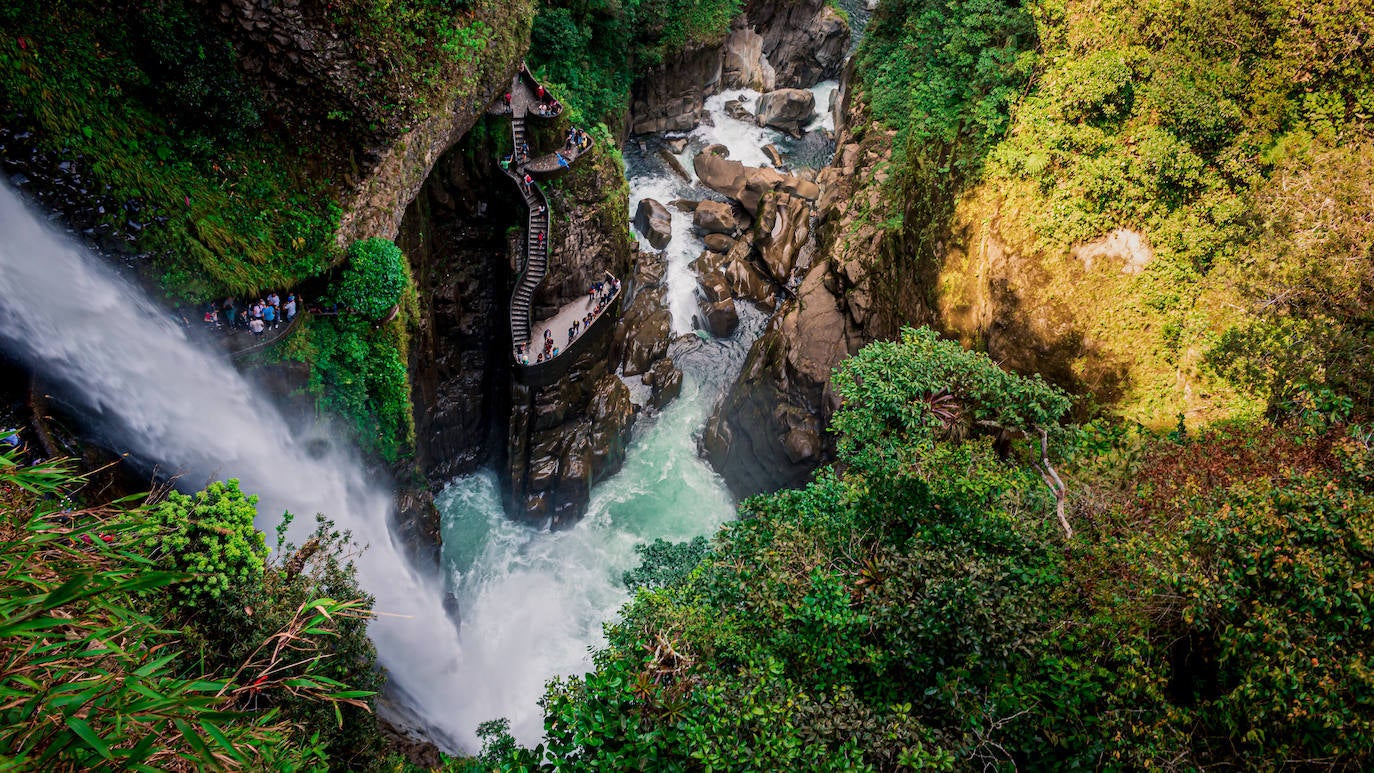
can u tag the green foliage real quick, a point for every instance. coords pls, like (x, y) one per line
(359, 373)
(209, 536)
(946, 73)
(897, 395)
(150, 97)
(374, 278)
(918, 608)
(89, 682)
(589, 53)
(664, 563)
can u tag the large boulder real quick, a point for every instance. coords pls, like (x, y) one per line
(805, 40)
(718, 242)
(781, 231)
(643, 333)
(654, 221)
(715, 217)
(747, 282)
(745, 184)
(745, 64)
(710, 278)
(665, 382)
(721, 317)
(786, 109)
(612, 414)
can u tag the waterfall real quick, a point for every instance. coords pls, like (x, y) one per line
(149, 390)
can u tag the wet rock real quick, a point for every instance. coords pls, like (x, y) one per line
(718, 242)
(782, 228)
(684, 205)
(745, 184)
(665, 378)
(736, 109)
(674, 164)
(787, 110)
(715, 217)
(670, 96)
(650, 268)
(774, 155)
(750, 283)
(612, 417)
(721, 317)
(745, 65)
(675, 144)
(714, 286)
(769, 431)
(653, 220)
(804, 40)
(643, 332)
(801, 187)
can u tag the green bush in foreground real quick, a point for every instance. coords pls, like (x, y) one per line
(209, 536)
(374, 278)
(88, 680)
(918, 607)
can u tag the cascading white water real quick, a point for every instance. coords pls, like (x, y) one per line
(531, 603)
(170, 402)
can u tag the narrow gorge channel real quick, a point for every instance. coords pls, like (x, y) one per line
(532, 603)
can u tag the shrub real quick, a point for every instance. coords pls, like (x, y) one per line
(210, 536)
(374, 279)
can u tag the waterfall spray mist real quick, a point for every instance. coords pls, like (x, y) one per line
(152, 392)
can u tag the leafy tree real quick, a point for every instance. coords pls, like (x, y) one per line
(374, 279)
(664, 563)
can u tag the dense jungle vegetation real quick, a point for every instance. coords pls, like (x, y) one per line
(919, 604)
(164, 634)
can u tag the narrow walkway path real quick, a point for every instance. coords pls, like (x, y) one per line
(574, 311)
(528, 98)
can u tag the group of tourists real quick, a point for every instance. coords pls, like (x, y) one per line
(599, 296)
(257, 317)
(578, 140)
(602, 293)
(547, 106)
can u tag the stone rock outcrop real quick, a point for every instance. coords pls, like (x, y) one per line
(670, 96)
(714, 217)
(454, 235)
(563, 437)
(780, 232)
(745, 65)
(718, 242)
(642, 337)
(787, 110)
(665, 381)
(769, 431)
(721, 317)
(647, 324)
(804, 40)
(655, 222)
(774, 43)
(567, 452)
(745, 184)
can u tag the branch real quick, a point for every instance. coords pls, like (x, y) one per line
(1055, 483)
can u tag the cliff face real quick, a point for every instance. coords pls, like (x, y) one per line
(455, 235)
(774, 43)
(770, 431)
(380, 108)
(566, 436)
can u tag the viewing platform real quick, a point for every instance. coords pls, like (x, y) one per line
(526, 98)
